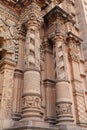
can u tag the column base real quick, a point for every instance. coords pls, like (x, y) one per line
(30, 124)
(69, 127)
(37, 125)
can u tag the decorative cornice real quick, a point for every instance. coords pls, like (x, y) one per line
(76, 38)
(18, 5)
(57, 12)
(8, 13)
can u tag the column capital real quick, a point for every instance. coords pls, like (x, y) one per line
(33, 21)
(58, 36)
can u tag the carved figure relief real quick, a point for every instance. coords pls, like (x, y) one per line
(63, 108)
(31, 102)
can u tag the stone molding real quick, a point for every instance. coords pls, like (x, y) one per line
(5, 11)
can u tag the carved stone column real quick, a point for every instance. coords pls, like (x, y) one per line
(63, 97)
(31, 102)
(78, 77)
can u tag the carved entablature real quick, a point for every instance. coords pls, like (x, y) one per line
(56, 19)
(4, 11)
(74, 45)
(18, 5)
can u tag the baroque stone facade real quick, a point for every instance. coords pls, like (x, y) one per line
(43, 82)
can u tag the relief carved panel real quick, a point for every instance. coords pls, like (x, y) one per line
(31, 102)
(63, 108)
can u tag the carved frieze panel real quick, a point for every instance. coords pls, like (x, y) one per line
(63, 108)
(31, 102)
(56, 19)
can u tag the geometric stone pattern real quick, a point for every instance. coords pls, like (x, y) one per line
(42, 72)
(81, 110)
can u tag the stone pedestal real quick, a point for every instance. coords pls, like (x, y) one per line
(63, 102)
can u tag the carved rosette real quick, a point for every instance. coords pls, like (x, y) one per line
(63, 108)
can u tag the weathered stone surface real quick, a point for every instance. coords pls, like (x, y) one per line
(43, 74)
